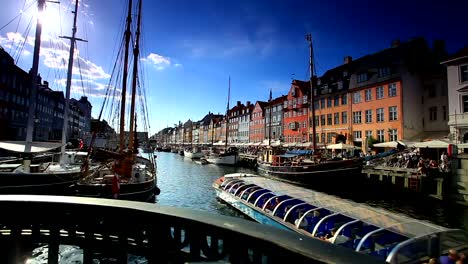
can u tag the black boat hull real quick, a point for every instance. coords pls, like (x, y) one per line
(143, 192)
(37, 183)
(311, 174)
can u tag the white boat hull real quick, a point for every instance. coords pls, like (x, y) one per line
(224, 160)
(193, 155)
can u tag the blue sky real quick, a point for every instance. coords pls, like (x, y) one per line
(192, 47)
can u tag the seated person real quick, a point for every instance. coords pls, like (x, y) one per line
(451, 258)
(304, 223)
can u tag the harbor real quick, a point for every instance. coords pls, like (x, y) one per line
(132, 136)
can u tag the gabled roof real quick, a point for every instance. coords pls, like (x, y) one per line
(463, 53)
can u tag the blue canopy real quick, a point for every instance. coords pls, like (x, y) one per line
(299, 152)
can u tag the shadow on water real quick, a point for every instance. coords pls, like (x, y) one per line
(185, 183)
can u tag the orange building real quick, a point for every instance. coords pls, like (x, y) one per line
(295, 112)
(257, 123)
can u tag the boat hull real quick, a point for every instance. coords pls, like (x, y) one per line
(224, 160)
(144, 191)
(37, 183)
(193, 155)
(311, 174)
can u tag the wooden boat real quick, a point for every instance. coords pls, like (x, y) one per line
(388, 236)
(290, 167)
(124, 175)
(193, 153)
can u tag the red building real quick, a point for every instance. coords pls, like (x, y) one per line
(257, 124)
(295, 112)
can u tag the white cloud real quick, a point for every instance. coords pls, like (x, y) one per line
(158, 61)
(55, 53)
(177, 65)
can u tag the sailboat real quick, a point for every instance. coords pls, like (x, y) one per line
(124, 175)
(288, 167)
(44, 178)
(230, 155)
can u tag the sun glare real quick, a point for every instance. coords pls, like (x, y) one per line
(50, 19)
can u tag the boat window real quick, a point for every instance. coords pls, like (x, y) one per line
(292, 215)
(273, 203)
(409, 253)
(228, 181)
(247, 192)
(285, 206)
(235, 186)
(243, 188)
(253, 196)
(262, 199)
(229, 185)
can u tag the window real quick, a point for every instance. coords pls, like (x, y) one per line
(337, 118)
(465, 103)
(368, 94)
(433, 113)
(384, 71)
(329, 137)
(444, 112)
(368, 133)
(356, 97)
(368, 116)
(392, 113)
(340, 85)
(304, 99)
(322, 103)
(316, 121)
(329, 102)
(304, 124)
(323, 138)
(322, 120)
(393, 134)
(381, 135)
(464, 73)
(357, 117)
(329, 119)
(431, 91)
(336, 100)
(380, 114)
(379, 92)
(362, 77)
(344, 117)
(345, 74)
(304, 111)
(286, 104)
(344, 99)
(357, 135)
(316, 104)
(392, 90)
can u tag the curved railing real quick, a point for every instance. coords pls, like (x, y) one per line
(115, 229)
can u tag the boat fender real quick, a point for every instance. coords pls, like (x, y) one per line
(115, 186)
(156, 190)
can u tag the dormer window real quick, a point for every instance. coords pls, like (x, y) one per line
(385, 71)
(345, 74)
(319, 82)
(362, 77)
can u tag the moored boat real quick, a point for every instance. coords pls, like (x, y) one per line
(193, 153)
(388, 236)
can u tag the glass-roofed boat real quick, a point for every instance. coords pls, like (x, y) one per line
(389, 236)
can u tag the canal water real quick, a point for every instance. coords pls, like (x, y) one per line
(185, 183)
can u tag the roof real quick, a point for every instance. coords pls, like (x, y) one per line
(304, 86)
(463, 53)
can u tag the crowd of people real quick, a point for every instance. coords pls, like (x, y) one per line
(413, 159)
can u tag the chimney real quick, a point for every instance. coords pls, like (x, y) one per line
(395, 43)
(347, 59)
(238, 103)
(248, 103)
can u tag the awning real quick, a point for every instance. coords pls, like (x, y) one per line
(29, 147)
(341, 146)
(299, 152)
(391, 144)
(431, 144)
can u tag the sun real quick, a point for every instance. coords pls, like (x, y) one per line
(50, 18)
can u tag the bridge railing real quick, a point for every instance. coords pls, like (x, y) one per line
(114, 229)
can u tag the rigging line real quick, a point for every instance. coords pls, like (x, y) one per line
(22, 44)
(21, 15)
(81, 76)
(18, 15)
(60, 17)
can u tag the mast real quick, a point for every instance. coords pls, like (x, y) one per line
(312, 96)
(269, 123)
(33, 91)
(124, 81)
(136, 53)
(227, 113)
(68, 85)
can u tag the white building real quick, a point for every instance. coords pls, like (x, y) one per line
(457, 81)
